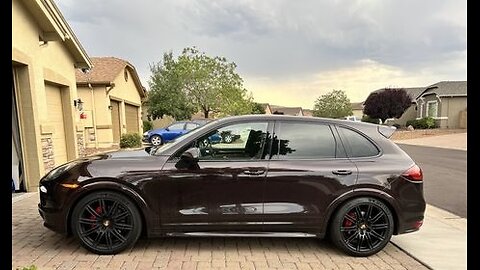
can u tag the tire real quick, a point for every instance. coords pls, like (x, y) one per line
(367, 235)
(228, 138)
(156, 140)
(106, 222)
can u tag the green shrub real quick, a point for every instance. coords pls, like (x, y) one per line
(147, 125)
(424, 123)
(130, 140)
(31, 267)
(368, 119)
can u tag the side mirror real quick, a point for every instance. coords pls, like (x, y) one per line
(167, 129)
(191, 154)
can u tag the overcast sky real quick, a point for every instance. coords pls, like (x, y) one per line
(288, 52)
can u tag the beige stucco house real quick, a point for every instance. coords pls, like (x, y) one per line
(112, 95)
(45, 54)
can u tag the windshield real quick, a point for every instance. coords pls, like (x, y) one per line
(186, 136)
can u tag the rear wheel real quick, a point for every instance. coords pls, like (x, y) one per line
(106, 222)
(362, 226)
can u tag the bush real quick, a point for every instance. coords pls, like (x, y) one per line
(424, 123)
(368, 119)
(130, 140)
(147, 125)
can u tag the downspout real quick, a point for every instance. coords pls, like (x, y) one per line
(94, 118)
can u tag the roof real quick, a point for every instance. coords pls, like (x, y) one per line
(105, 70)
(447, 89)
(55, 28)
(286, 110)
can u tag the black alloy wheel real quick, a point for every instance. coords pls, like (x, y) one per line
(106, 222)
(362, 226)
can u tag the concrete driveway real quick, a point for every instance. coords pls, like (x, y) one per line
(34, 244)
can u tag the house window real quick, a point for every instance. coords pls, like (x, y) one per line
(125, 74)
(432, 108)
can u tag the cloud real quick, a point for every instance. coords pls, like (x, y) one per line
(282, 41)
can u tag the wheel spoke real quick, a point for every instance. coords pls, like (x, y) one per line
(377, 235)
(118, 236)
(369, 240)
(377, 217)
(108, 237)
(358, 212)
(348, 229)
(123, 226)
(92, 211)
(87, 221)
(91, 230)
(349, 239)
(379, 226)
(369, 212)
(359, 242)
(113, 209)
(98, 238)
(351, 219)
(121, 215)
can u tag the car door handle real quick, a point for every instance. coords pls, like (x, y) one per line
(342, 172)
(254, 172)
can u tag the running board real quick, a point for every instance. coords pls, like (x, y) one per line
(242, 234)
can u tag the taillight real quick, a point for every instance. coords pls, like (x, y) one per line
(414, 174)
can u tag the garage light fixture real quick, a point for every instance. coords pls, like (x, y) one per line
(78, 103)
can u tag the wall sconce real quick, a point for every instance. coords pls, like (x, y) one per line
(110, 107)
(78, 103)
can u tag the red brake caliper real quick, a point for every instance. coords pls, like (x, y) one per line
(98, 210)
(347, 222)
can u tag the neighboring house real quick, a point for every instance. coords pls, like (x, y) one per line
(357, 109)
(45, 54)
(112, 95)
(307, 112)
(446, 102)
(411, 112)
(275, 109)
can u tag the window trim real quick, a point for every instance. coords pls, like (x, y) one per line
(429, 103)
(345, 142)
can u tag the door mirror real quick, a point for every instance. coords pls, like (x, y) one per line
(189, 159)
(167, 129)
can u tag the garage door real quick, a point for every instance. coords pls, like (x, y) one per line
(55, 119)
(131, 118)
(115, 120)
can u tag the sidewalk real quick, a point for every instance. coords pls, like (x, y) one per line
(441, 243)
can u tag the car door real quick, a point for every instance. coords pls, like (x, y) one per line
(307, 171)
(224, 189)
(174, 130)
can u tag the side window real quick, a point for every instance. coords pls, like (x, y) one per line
(303, 141)
(356, 144)
(190, 126)
(176, 126)
(234, 142)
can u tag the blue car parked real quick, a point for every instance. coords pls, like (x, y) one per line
(160, 136)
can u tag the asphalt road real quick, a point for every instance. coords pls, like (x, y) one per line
(444, 176)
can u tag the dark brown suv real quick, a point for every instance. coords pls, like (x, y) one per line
(281, 176)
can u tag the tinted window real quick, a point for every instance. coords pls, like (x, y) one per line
(176, 126)
(191, 126)
(303, 140)
(356, 144)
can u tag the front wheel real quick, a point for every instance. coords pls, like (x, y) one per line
(106, 222)
(362, 227)
(156, 140)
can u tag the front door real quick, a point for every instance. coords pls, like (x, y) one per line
(224, 190)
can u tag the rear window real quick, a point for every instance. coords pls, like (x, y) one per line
(303, 141)
(356, 144)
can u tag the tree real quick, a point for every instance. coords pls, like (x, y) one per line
(196, 82)
(257, 108)
(334, 104)
(387, 103)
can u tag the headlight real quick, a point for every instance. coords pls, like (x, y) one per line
(146, 133)
(43, 189)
